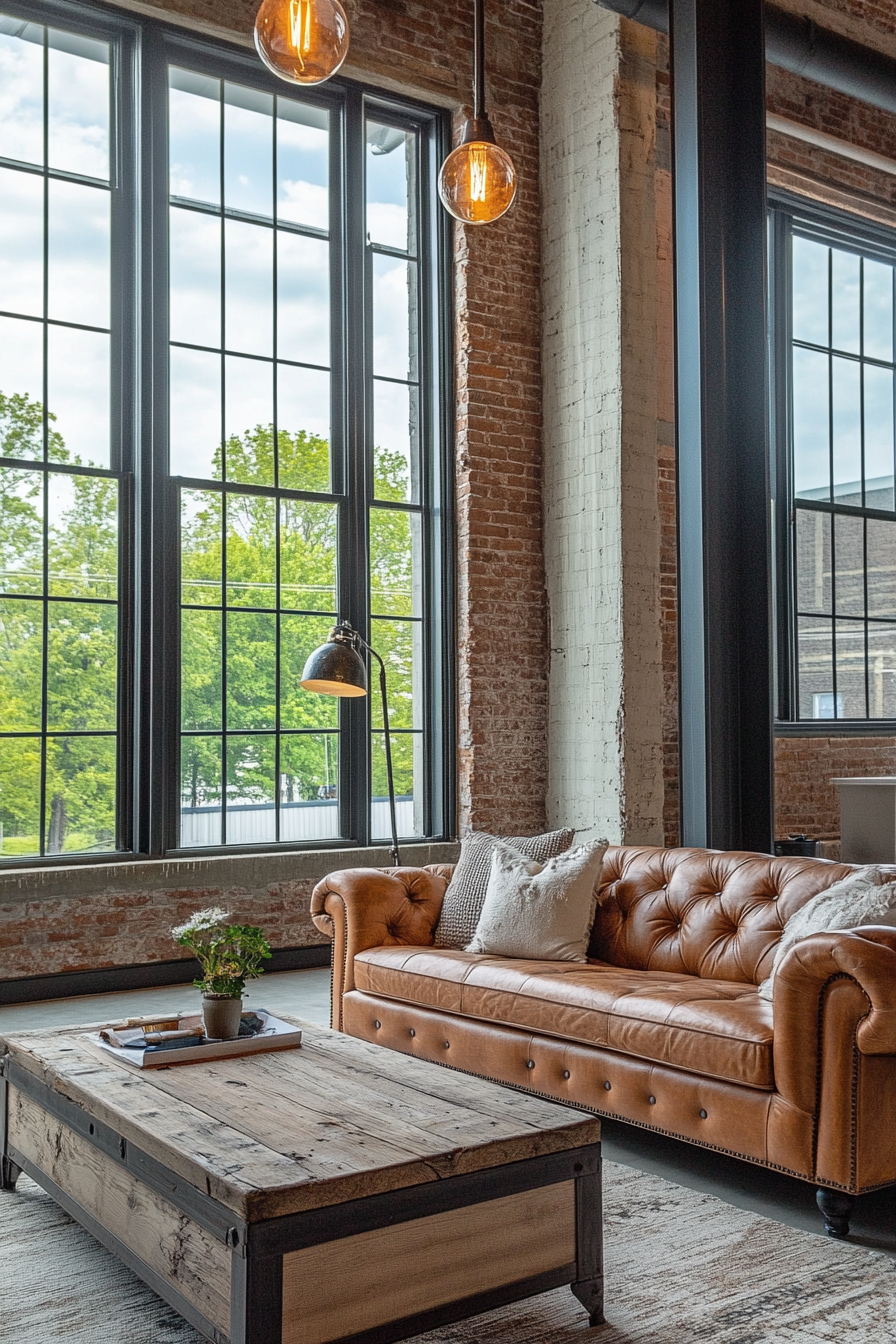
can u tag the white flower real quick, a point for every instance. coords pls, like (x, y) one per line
(202, 919)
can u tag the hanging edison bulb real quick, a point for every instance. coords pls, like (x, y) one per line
(304, 41)
(477, 183)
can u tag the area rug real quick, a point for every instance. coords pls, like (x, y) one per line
(682, 1268)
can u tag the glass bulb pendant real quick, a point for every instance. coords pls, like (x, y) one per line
(477, 183)
(304, 41)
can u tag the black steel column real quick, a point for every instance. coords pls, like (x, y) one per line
(718, 72)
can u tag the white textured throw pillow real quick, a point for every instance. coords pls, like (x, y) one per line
(861, 898)
(465, 896)
(540, 911)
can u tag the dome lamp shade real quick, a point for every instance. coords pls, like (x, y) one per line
(336, 668)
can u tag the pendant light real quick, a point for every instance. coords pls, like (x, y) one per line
(304, 41)
(477, 183)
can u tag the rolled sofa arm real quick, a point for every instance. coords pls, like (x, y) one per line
(847, 978)
(375, 907)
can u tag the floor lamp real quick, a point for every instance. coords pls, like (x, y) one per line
(337, 668)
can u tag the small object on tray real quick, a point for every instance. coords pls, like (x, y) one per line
(151, 1042)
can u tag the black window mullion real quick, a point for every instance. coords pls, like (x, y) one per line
(865, 626)
(354, 545)
(159, 782)
(45, 613)
(126, 233)
(785, 513)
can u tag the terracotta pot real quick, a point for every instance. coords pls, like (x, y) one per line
(221, 1015)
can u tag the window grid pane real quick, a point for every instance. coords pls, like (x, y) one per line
(59, 523)
(842, 403)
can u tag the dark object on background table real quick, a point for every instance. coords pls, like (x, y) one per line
(797, 845)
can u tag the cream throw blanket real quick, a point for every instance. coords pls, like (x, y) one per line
(861, 898)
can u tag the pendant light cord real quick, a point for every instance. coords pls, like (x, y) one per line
(478, 59)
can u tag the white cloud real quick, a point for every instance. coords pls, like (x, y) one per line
(304, 203)
(388, 224)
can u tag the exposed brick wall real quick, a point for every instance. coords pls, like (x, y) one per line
(134, 928)
(665, 444)
(502, 669)
(805, 800)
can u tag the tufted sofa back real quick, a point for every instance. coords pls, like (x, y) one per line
(717, 915)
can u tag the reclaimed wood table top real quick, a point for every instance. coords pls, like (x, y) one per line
(334, 1120)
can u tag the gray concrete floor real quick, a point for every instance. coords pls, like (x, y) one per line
(302, 993)
(307, 994)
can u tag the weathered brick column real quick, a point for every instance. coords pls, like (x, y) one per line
(601, 412)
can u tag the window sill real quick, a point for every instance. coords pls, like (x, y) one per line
(837, 728)
(249, 870)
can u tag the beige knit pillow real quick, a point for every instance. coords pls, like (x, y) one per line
(540, 911)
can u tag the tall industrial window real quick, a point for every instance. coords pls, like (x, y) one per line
(221, 430)
(60, 445)
(837, 579)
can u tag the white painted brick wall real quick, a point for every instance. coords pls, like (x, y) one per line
(601, 515)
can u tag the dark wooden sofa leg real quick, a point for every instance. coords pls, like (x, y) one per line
(837, 1207)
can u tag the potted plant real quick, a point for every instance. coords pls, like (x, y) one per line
(229, 955)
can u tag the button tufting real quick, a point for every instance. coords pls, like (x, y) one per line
(412, 1032)
(652, 1101)
(702, 1115)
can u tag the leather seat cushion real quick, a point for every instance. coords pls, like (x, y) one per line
(717, 1028)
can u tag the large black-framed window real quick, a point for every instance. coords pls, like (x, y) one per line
(266, 453)
(834, 359)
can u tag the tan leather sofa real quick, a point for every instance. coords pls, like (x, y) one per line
(664, 1027)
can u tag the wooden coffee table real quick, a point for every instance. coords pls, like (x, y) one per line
(340, 1191)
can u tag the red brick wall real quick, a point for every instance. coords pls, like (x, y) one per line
(805, 800)
(134, 928)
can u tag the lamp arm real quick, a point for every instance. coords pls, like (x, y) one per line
(373, 653)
